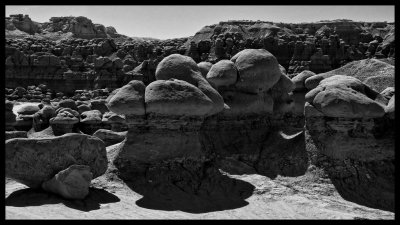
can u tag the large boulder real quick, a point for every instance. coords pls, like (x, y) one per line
(28, 109)
(347, 103)
(258, 70)
(71, 183)
(34, 161)
(223, 73)
(185, 68)
(176, 97)
(129, 99)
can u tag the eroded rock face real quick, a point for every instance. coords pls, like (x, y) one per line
(110, 137)
(71, 183)
(355, 141)
(34, 161)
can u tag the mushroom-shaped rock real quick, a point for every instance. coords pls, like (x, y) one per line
(299, 79)
(71, 183)
(36, 160)
(336, 81)
(117, 122)
(204, 67)
(28, 109)
(258, 70)
(223, 73)
(68, 103)
(91, 117)
(63, 122)
(129, 99)
(346, 102)
(176, 97)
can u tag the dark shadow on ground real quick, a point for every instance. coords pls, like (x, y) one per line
(38, 197)
(192, 187)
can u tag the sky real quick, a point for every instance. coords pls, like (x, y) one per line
(164, 22)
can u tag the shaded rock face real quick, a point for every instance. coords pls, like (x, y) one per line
(34, 161)
(110, 137)
(71, 183)
(355, 147)
(174, 105)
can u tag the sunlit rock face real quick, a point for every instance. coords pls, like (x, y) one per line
(354, 133)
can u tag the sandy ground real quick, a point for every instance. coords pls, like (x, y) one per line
(304, 197)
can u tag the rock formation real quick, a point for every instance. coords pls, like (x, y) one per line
(354, 135)
(34, 161)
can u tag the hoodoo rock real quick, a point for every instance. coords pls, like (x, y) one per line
(34, 161)
(353, 136)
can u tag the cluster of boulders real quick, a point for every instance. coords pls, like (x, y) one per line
(94, 60)
(239, 110)
(353, 127)
(318, 47)
(63, 117)
(41, 93)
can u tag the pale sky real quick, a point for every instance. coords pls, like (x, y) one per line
(165, 22)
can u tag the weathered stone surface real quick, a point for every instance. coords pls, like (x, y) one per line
(243, 104)
(258, 70)
(299, 79)
(68, 103)
(185, 68)
(347, 103)
(223, 73)
(91, 117)
(129, 99)
(71, 183)
(110, 137)
(204, 67)
(176, 97)
(388, 92)
(34, 161)
(16, 134)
